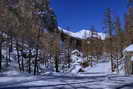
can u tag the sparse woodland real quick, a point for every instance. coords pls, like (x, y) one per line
(29, 33)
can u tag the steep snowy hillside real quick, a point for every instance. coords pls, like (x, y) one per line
(83, 34)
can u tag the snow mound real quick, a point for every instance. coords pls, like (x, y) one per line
(129, 48)
(77, 59)
(75, 51)
(104, 67)
(132, 58)
(76, 68)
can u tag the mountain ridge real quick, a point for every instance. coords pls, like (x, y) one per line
(84, 34)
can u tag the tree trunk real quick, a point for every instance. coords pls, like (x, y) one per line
(11, 47)
(117, 66)
(111, 53)
(29, 69)
(68, 57)
(22, 63)
(56, 64)
(112, 65)
(9, 54)
(0, 57)
(18, 55)
(35, 62)
(7, 61)
(91, 61)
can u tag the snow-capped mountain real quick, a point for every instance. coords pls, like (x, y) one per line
(83, 34)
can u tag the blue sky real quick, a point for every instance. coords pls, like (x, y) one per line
(82, 14)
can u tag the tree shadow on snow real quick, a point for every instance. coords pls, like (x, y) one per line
(11, 83)
(57, 86)
(127, 86)
(17, 84)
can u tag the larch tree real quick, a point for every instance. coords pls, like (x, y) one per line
(118, 43)
(68, 48)
(129, 22)
(108, 23)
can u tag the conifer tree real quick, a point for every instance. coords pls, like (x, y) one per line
(108, 22)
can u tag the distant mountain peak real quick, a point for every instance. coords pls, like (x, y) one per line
(84, 33)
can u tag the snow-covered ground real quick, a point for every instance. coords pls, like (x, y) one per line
(100, 67)
(16, 80)
(104, 67)
(97, 77)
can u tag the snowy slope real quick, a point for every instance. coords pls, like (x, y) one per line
(104, 67)
(83, 34)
